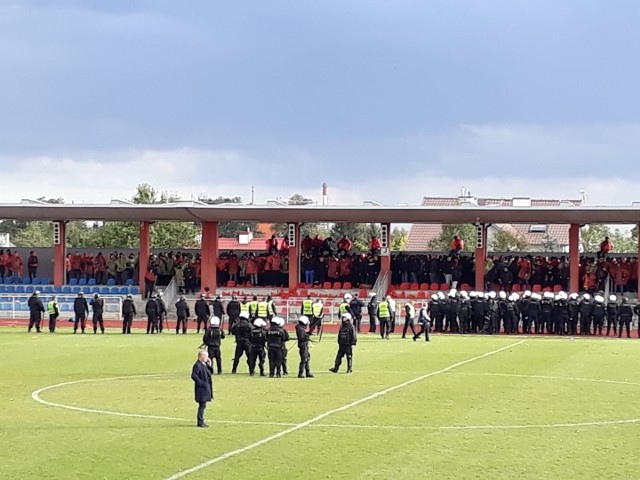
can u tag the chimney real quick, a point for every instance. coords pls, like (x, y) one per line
(325, 194)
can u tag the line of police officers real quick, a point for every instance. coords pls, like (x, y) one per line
(560, 313)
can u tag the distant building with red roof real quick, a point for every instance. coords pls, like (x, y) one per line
(536, 235)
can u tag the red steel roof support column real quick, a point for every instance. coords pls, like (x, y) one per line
(294, 260)
(480, 257)
(574, 258)
(59, 260)
(145, 251)
(209, 256)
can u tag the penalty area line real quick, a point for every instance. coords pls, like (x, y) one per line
(328, 413)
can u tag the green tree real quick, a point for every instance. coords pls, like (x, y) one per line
(34, 234)
(359, 233)
(399, 237)
(592, 235)
(550, 244)
(443, 243)
(624, 241)
(231, 229)
(505, 241)
(297, 199)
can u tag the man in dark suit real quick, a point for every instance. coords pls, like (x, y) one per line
(201, 375)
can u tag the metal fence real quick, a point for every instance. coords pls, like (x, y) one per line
(16, 306)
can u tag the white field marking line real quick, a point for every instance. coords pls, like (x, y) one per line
(36, 396)
(549, 377)
(328, 413)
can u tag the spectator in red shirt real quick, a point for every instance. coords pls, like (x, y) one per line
(3, 263)
(457, 245)
(375, 245)
(344, 245)
(606, 247)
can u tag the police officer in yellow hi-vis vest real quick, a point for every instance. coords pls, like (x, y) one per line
(263, 308)
(253, 308)
(345, 306)
(244, 308)
(307, 307)
(54, 312)
(384, 317)
(271, 308)
(317, 310)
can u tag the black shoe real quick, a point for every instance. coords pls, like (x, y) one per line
(278, 375)
(219, 372)
(204, 425)
(263, 374)
(334, 370)
(251, 374)
(349, 370)
(300, 376)
(271, 375)
(310, 375)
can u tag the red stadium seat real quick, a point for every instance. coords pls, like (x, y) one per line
(465, 286)
(434, 286)
(547, 289)
(444, 286)
(400, 295)
(326, 285)
(347, 285)
(516, 288)
(362, 293)
(536, 288)
(404, 286)
(337, 285)
(414, 286)
(557, 288)
(424, 286)
(421, 294)
(231, 284)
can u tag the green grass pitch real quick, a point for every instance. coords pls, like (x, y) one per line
(542, 408)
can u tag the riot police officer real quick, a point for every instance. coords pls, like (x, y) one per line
(625, 317)
(203, 312)
(212, 338)
(242, 332)
(612, 314)
(128, 312)
(182, 315)
(586, 311)
(233, 311)
(303, 347)
(276, 336)
(258, 340)
(347, 339)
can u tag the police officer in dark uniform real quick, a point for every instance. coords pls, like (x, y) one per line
(435, 311)
(612, 314)
(546, 311)
(218, 309)
(36, 309)
(598, 313)
(523, 307)
(347, 339)
(423, 321)
(128, 312)
(372, 310)
(409, 316)
(242, 332)
(212, 338)
(356, 309)
(258, 340)
(573, 306)
(276, 336)
(465, 313)
(303, 347)
(233, 311)
(625, 317)
(182, 315)
(586, 310)
(203, 312)
(151, 310)
(452, 307)
(478, 311)
(80, 310)
(97, 305)
(162, 312)
(534, 314)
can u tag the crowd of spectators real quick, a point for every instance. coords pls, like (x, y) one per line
(12, 265)
(507, 270)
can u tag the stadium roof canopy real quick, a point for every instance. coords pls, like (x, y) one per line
(197, 212)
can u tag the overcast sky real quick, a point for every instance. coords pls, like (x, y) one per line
(389, 101)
